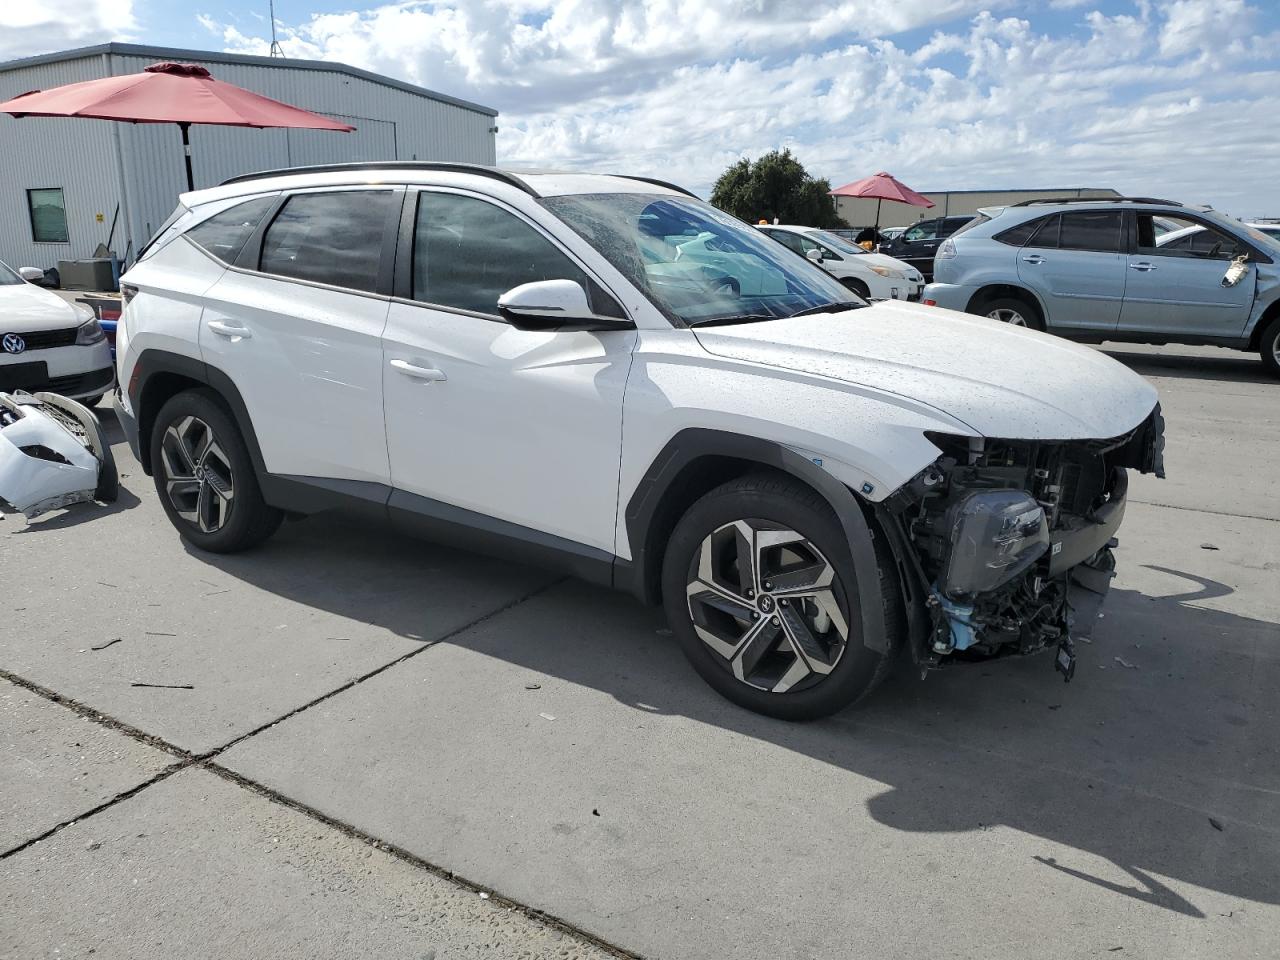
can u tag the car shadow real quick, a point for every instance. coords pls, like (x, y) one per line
(1230, 365)
(1161, 757)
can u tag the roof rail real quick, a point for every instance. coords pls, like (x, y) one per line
(1032, 203)
(658, 183)
(443, 166)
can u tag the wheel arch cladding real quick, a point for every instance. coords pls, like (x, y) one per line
(696, 461)
(164, 375)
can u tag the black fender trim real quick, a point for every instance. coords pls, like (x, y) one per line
(694, 443)
(152, 363)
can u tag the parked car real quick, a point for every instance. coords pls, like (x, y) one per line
(870, 275)
(1095, 270)
(607, 375)
(49, 344)
(918, 243)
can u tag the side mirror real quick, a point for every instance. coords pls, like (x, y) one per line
(814, 255)
(554, 305)
(31, 274)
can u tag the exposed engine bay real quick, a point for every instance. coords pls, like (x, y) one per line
(1010, 541)
(52, 454)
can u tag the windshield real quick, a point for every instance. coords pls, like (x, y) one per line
(837, 243)
(695, 263)
(8, 275)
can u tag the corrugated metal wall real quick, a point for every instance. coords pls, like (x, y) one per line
(77, 155)
(391, 124)
(80, 156)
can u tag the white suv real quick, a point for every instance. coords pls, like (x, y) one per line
(542, 366)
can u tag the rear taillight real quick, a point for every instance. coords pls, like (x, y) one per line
(930, 303)
(127, 292)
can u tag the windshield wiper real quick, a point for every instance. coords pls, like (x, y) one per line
(827, 308)
(736, 318)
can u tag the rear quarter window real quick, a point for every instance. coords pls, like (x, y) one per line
(224, 234)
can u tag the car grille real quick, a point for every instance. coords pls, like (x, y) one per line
(46, 339)
(81, 382)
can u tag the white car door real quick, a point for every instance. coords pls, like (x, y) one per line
(299, 331)
(522, 427)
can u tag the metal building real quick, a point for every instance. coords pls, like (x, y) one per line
(859, 212)
(65, 182)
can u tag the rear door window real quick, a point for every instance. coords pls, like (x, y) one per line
(1098, 230)
(330, 238)
(1046, 234)
(922, 231)
(224, 234)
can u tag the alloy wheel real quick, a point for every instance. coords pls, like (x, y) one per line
(764, 599)
(197, 474)
(1009, 316)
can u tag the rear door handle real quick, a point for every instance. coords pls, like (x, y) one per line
(224, 329)
(430, 374)
(1143, 266)
(1034, 258)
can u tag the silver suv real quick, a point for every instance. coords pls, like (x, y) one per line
(1099, 270)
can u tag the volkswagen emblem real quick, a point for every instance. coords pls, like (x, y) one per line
(13, 343)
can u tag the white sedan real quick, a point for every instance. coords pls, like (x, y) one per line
(49, 344)
(872, 276)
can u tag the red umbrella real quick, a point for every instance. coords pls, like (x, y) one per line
(181, 93)
(882, 186)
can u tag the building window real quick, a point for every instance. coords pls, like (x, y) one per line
(48, 215)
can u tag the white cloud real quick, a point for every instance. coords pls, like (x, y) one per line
(32, 28)
(1163, 99)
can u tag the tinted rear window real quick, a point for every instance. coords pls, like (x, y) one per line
(1019, 235)
(224, 234)
(330, 238)
(1091, 230)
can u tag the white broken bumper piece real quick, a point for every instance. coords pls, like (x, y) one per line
(52, 454)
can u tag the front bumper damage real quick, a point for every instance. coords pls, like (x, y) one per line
(1005, 546)
(52, 454)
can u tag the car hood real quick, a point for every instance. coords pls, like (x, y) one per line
(24, 307)
(1002, 381)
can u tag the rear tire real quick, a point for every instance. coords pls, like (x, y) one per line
(1011, 310)
(204, 475)
(1269, 347)
(773, 634)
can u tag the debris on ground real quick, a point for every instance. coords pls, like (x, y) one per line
(546, 716)
(150, 633)
(1125, 663)
(1217, 825)
(1207, 546)
(165, 686)
(663, 632)
(103, 646)
(484, 895)
(533, 686)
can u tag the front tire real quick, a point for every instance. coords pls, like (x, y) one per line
(858, 287)
(1269, 347)
(205, 477)
(756, 584)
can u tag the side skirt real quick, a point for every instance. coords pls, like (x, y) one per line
(439, 522)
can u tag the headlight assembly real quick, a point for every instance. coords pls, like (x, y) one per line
(889, 273)
(90, 332)
(994, 536)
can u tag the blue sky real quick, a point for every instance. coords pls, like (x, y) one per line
(1158, 97)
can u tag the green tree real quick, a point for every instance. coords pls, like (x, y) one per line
(776, 185)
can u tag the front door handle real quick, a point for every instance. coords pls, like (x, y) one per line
(1034, 258)
(224, 329)
(1142, 265)
(429, 374)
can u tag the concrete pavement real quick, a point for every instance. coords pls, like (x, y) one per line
(988, 811)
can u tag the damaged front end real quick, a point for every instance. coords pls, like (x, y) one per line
(1005, 545)
(52, 454)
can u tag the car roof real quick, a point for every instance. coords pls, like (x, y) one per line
(536, 183)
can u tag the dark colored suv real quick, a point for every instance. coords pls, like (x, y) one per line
(919, 242)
